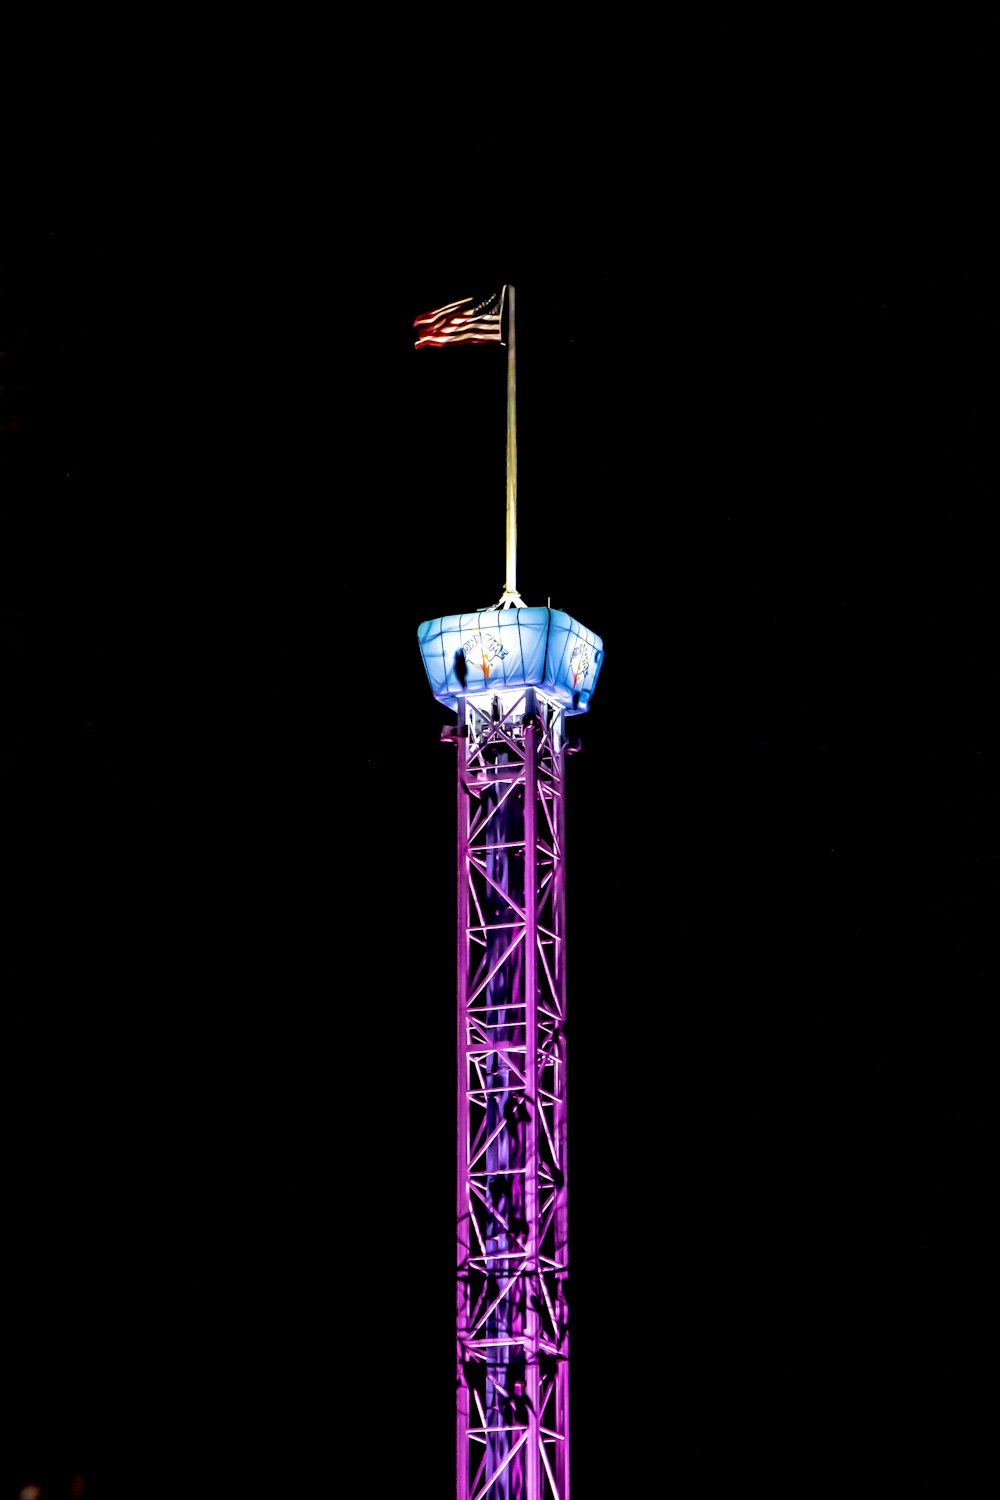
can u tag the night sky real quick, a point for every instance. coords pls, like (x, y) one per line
(757, 438)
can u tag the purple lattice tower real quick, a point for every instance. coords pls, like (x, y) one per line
(512, 675)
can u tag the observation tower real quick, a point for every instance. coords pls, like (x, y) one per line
(513, 675)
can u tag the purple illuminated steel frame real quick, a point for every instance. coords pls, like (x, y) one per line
(513, 1372)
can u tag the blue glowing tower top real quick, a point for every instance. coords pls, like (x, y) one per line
(500, 652)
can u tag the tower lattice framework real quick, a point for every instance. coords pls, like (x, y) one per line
(512, 1438)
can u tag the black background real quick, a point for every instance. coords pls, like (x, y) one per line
(756, 331)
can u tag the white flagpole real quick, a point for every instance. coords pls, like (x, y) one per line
(510, 597)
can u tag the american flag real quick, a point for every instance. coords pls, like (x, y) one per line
(462, 323)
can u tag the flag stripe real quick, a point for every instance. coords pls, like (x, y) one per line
(432, 317)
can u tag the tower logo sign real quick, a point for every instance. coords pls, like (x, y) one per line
(483, 650)
(579, 663)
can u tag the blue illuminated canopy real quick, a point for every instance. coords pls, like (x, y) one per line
(502, 650)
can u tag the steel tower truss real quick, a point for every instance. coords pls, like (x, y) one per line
(513, 1372)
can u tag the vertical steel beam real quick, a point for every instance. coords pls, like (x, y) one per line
(462, 1206)
(512, 1437)
(531, 1086)
(561, 1449)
